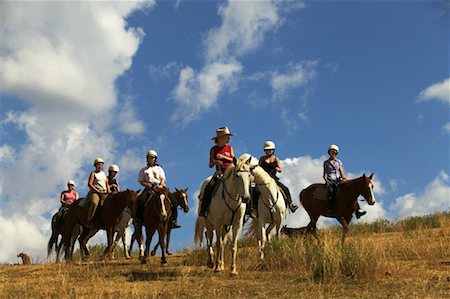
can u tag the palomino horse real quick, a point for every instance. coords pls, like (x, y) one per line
(226, 212)
(271, 207)
(314, 200)
(107, 217)
(57, 226)
(181, 199)
(155, 217)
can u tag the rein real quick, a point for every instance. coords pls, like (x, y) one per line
(225, 191)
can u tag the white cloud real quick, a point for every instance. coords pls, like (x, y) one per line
(65, 53)
(197, 92)
(129, 123)
(244, 24)
(160, 72)
(434, 198)
(438, 91)
(63, 58)
(446, 128)
(295, 76)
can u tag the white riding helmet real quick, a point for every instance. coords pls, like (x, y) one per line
(98, 160)
(114, 167)
(70, 182)
(334, 147)
(152, 153)
(269, 145)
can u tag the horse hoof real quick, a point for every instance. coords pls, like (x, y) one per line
(169, 253)
(234, 273)
(164, 262)
(128, 257)
(217, 270)
(153, 253)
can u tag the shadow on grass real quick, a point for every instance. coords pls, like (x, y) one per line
(149, 275)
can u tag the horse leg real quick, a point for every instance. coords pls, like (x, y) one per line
(149, 233)
(58, 248)
(124, 242)
(153, 252)
(236, 232)
(108, 249)
(344, 224)
(260, 236)
(209, 245)
(169, 230)
(161, 232)
(219, 250)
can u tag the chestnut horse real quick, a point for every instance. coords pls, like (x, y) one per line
(107, 217)
(314, 200)
(155, 217)
(181, 199)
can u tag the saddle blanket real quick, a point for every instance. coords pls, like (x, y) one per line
(321, 193)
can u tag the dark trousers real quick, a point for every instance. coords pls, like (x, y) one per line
(140, 204)
(207, 194)
(173, 208)
(332, 188)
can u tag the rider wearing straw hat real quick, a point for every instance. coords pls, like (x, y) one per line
(333, 175)
(272, 165)
(98, 187)
(221, 156)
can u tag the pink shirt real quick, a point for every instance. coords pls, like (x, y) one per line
(69, 197)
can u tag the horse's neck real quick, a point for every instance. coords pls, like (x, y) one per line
(265, 182)
(350, 191)
(230, 186)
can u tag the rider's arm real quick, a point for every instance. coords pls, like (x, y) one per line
(279, 169)
(223, 157)
(108, 190)
(341, 171)
(325, 177)
(91, 183)
(62, 198)
(212, 159)
(76, 195)
(118, 187)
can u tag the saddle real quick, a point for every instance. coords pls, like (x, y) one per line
(321, 192)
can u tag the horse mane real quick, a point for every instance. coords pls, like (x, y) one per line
(265, 177)
(229, 171)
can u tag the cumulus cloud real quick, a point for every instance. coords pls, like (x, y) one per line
(197, 92)
(63, 58)
(446, 128)
(244, 24)
(434, 198)
(128, 120)
(296, 75)
(438, 91)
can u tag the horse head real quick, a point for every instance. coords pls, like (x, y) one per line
(161, 197)
(182, 198)
(242, 177)
(367, 189)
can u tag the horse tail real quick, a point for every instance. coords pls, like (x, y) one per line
(54, 236)
(250, 232)
(198, 237)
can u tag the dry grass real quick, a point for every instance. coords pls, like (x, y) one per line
(407, 259)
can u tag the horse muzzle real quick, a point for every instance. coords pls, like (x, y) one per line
(246, 199)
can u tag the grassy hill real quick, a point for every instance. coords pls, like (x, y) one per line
(405, 259)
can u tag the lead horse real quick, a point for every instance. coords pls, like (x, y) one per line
(107, 217)
(314, 200)
(226, 213)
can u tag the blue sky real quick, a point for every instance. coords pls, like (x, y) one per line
(81, 80)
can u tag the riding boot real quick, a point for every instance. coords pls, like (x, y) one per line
(206, 200)
(254, 202)
(292, 206)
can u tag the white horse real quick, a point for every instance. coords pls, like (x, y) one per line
(226, 212)
(271, 207)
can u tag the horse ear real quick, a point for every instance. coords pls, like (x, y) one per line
(176, 189)
(364, 175)
(371, 176)
(248, 160)
(185, 190)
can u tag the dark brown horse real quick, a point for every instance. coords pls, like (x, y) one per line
(314, 200)
(181, 199)
(155, 217)
(107, 217)
(57, 225)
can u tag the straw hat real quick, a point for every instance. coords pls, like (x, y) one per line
(223, 131)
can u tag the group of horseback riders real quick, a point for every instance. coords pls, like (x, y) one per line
(221, 157)
(152, 177)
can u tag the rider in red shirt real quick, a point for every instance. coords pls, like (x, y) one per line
(221, 156)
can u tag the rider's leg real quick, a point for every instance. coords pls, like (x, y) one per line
(207, 195)
(292, 206)
(95, 198)
(142, 198)
(254, 203)
(331, 189)
(173, 208)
